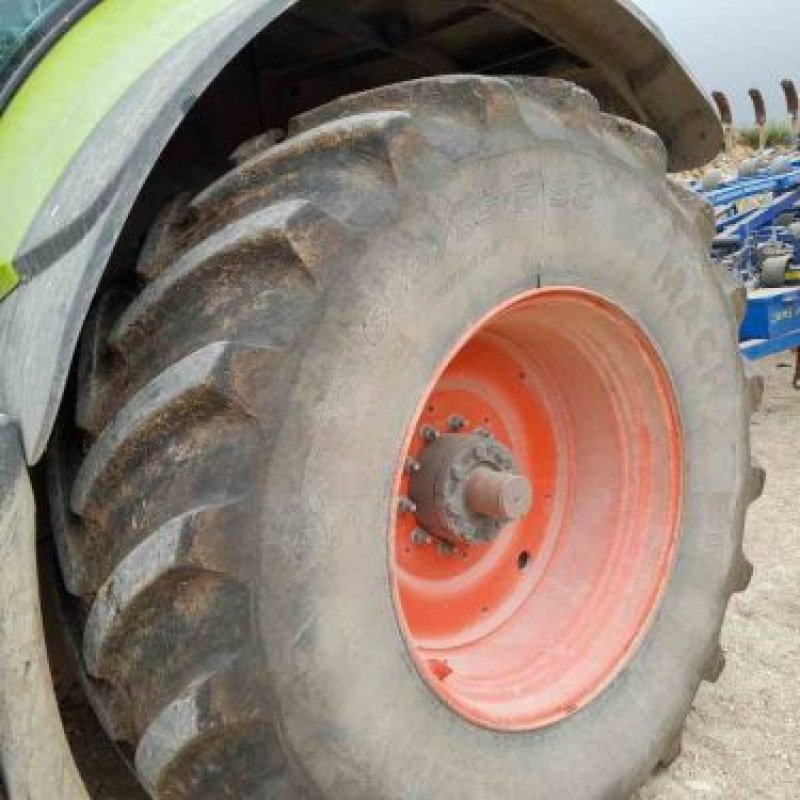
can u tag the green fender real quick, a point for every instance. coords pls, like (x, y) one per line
(77, 142)
(82, 134)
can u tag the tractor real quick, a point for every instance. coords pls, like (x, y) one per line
(372, 422)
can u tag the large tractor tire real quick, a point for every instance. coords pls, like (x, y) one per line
(418, 466)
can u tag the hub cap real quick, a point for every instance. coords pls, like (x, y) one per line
(464, 488)
(538, 509)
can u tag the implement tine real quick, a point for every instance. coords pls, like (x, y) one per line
(793, 107)
(760, 108)
(724, 108)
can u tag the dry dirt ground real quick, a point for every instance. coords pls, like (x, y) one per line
(742, 738)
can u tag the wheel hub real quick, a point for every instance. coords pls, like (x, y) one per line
(525, 611)
(465, 488)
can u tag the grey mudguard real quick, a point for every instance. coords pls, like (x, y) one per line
(67, 247)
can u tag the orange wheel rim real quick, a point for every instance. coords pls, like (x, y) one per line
(523, 627)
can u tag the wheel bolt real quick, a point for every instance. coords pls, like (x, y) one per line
(446, 548)
(481, 451)
(456, 423)
(430, 434)
(407, 505)
(420, 536)
(412, 465)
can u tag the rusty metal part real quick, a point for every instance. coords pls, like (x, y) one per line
(467, 488)
(725, 114)
(792, 103)
(793, 107)
(760, 108)
(724, 107)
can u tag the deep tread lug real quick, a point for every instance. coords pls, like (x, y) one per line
(267, 259)
(212, 733)
(382, 148)
(254, 147)
(453, 112)
(204, 540)
(644, 143)
(68, 533)
(197, 387)
(743, 575)
(755, 387)
(164, 239)
(294, 233)
(758, 478)
(715, 666)
(572, 103)
(101, 375)
(161, 628)
(697, 211)
(734, 291)
(672, 752)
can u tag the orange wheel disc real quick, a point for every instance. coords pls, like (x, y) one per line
(539, 500)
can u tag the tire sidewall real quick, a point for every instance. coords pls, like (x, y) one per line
(352, 707)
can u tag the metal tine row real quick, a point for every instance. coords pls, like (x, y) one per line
(761, 118)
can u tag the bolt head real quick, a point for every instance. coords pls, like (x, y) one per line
(429, 433)
(407, 505)
(481, 451)
(451, 508)
(420, 536)
(456, 422)
(457, 471)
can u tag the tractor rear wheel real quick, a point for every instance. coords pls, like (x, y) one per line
(418, 466)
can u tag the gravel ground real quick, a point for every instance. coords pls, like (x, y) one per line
(742, 739)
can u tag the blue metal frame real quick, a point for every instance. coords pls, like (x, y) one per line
(741, 233)
(753, 349)
(763, 183)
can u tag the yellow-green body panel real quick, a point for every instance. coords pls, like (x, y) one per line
(70, 91)
(8, 279)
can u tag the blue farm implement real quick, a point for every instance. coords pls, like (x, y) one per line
(758, 240)
(758, 231)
